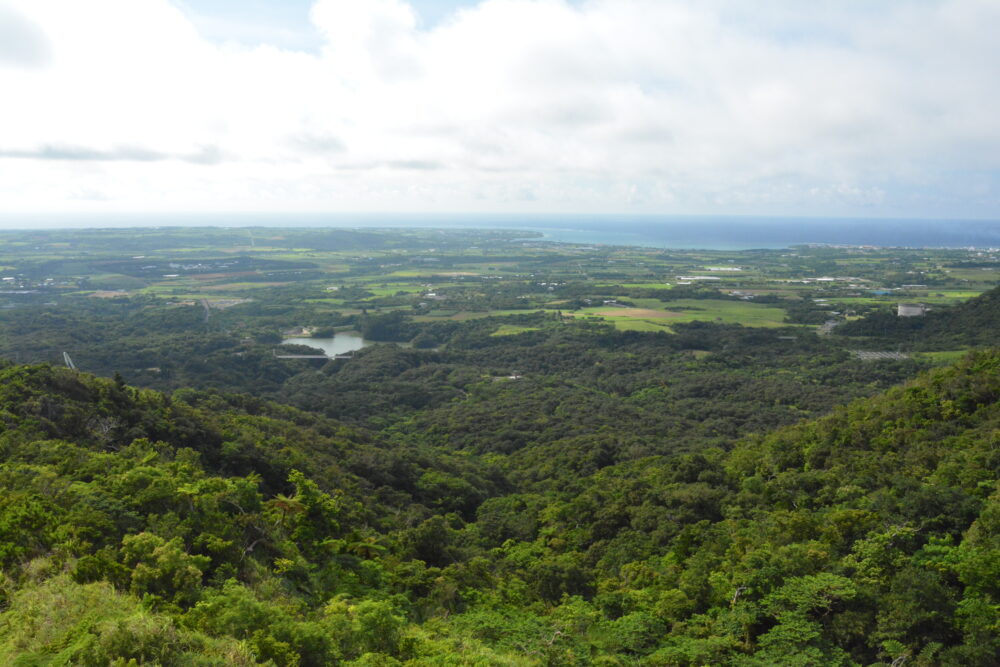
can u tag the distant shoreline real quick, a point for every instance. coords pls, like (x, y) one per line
(680, 232)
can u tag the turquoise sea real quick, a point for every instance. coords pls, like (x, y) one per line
(711, 232)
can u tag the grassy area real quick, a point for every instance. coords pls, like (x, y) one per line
(453, 315)
(946, 297)
(648, 285)
(687, 310)
(640, 325)
(426, 273)
(392, 290)
(942, 297)
(945, 357)
(462, 315)
(219, 287)
(747, 313)
(512, 329)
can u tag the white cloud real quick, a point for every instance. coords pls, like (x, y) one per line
(22, 43)
(530, 105)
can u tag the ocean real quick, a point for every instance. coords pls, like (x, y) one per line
(689, 232)
(743, 233)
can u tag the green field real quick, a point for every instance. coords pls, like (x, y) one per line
(648, 285)
(687, 310)
(945, 357)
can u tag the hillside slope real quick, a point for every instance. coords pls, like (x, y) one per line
(211, 530)
(974, 322)
(197, 528)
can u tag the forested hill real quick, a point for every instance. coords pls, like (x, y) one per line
(122, 510)
(199, 529)
(974, 322)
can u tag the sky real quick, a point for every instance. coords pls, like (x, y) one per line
(773, 107)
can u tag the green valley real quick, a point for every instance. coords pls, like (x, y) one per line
(533, 453)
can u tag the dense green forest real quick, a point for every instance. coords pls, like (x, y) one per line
(971, 323)
(542, 455)
(201, 529)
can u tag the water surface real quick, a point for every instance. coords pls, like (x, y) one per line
(342, 343)
(719, 232)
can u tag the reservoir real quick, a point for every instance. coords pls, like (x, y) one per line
(342, 343)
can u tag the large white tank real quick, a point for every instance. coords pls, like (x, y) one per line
(911, 310)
